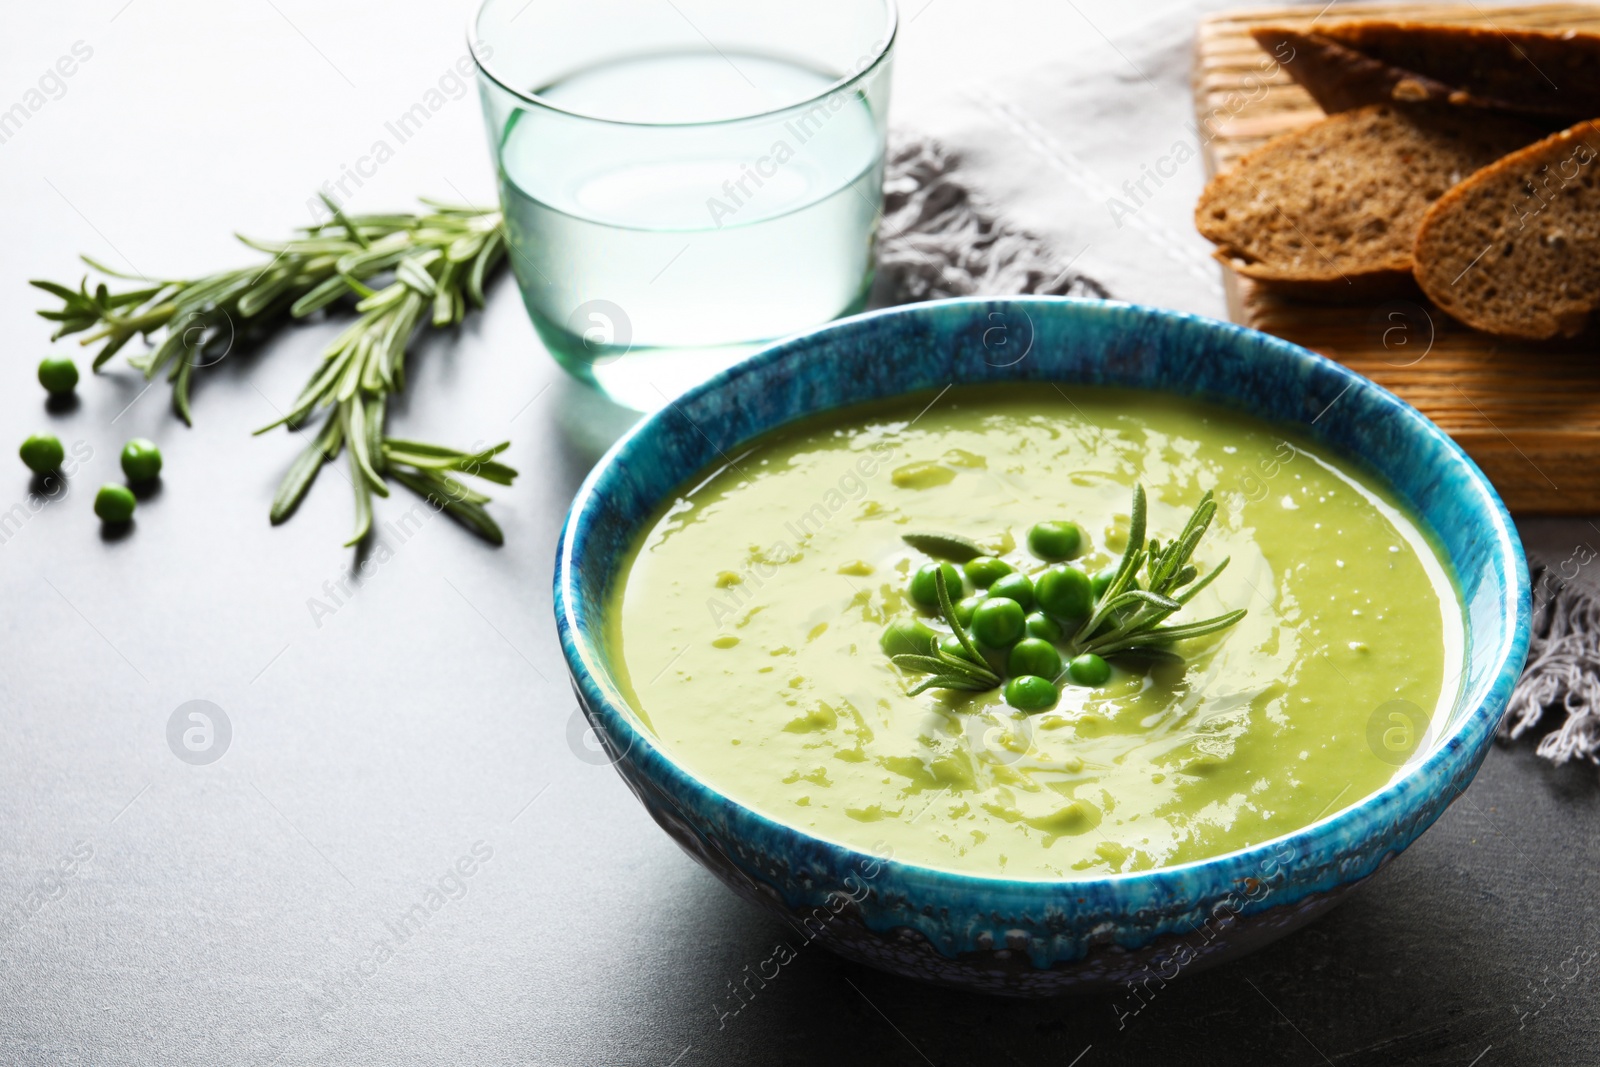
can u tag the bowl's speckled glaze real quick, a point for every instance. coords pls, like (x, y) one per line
(1045, 937)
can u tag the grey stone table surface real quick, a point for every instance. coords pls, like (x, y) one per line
(400, 742)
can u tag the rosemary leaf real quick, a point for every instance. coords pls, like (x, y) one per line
(363, 492)
(1133, 554)
(945, 546)
(180, 390)
(357, 435)
(469, 513)
(963, 662)
(1194, 590)
(921, 664)
(1165, 634)
(304, 470)
(949, 612)
(950, 681)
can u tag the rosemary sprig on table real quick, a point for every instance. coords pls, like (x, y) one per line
(397, 268)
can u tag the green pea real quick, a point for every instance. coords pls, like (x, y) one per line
(1033, 656)
(1043, 627)
(925, 590)
(985, 569)
(997, 622)
(965, 607)
(1018, 587)
(954, 647)
(1089, 669)
(1055, 540)
(141, 460)
(58, 376)
(907, 637)
(1064, 592)
(42, 453)
(1102, 581)
(1029, 692)
(114, 503)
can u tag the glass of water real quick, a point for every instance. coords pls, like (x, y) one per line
(685, 180)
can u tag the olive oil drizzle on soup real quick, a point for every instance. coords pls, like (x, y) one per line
(746, 629)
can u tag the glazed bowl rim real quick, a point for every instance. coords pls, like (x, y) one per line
(1409, 789)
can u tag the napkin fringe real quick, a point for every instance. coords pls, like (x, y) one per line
(1560, 687)
(938, 241)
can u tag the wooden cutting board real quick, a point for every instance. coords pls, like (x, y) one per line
(1528, 413)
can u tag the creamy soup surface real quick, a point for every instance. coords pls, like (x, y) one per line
(746, 627)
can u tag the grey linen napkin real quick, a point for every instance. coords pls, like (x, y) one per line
(938, 240)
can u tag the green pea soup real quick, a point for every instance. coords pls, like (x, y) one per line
(745, 632)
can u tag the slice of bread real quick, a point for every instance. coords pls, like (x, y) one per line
(1534, 71)
(1339, 78)
(1346, 64)
(1515, 249)
(1331, 211)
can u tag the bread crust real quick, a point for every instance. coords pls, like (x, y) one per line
(1534, 72)
(1340, 78)
(1351, 63)
(1368, 285)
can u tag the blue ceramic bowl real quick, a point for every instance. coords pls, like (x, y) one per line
(1043, 937)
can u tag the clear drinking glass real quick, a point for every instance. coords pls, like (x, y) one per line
(685, 180)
